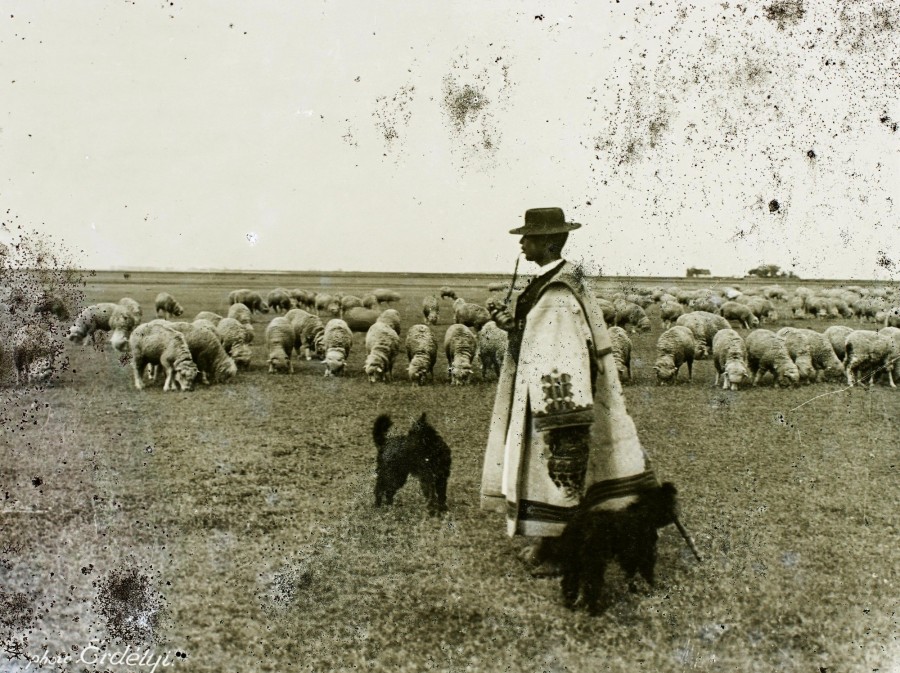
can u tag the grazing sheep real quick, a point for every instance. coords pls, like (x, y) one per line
(391, 318)
(280, 345)
(837, 337)
(207, 352)
(328, 304)
(386, 296)
(337, 340)
(47, 304)
(492, 343)
(242, 314)
(730, 359)
(202, 322)
(470, 315)
(732, 310)
(157, 343)
(132, 307)
(167, 307)
(767, 352)
(234, 337)
(279, 300)
(460, 346)
(892, 317)
(869, 353)
(382, 346)
(621, 351)
(360, 319)
(608, 309)
(214, 318)
(447, 293)
(349, 301)
(675, 347)
(894, 334)
(822, 355)
(34, 353)
(301, 298)
(798, 349)
(102, 317)
(421, 349)
(369, 301)
(761, 308)
(250, 298)
(632, 316)
(704, 325)
(669, 312)
(430, 309)
(309, 333)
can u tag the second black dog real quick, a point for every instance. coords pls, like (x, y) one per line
(421, 452)
(594, 538)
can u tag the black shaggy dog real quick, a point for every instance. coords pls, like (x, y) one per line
(593, 538)
(421, 452)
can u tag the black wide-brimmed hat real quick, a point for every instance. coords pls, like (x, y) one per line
(543, 221)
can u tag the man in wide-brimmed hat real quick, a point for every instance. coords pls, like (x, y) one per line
(560, 433)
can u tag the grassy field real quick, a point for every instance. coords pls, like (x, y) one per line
(247, 511)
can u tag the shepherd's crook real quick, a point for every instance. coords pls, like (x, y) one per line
(512, 283)
(687, 538)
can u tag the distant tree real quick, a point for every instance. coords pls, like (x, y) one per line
(693, 271)
(765, 271)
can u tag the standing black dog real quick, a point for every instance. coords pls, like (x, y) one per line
(595, 537)
(421, 452)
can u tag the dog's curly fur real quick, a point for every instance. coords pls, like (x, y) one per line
(595, 537)
(421, 453)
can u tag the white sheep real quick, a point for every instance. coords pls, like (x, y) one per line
(360, 319)
(867, 354)
(798, 349)
(704, 325)
(349, 301)
(391, 318)
(492, 343)
(460, 346)
(837, 337)
(34, 353)
(632, 316)
(386, 296)
(421, 349)
(382, 346)
(767, 352)
(279, 300)
(447, 293)
(328, 304)
(243, 315)
(894, 334)
(157, 343)
(370, 301)
(669, 312)
(730, 359)
(822, 355)
(431, 309)
(675, 347)
(309, 334)
(234, 337)
(280, 345)
(167, 307)
(470, 315)
(133, 308)
(732, 310)
(250, 298)
(214, 318)
(103, 317)
(207, 352)
(621, 351)
(336, 340)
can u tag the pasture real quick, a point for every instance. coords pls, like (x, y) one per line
(248, 509)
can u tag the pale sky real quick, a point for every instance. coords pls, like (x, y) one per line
(397, 136)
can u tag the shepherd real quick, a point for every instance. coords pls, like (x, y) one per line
(560, 435)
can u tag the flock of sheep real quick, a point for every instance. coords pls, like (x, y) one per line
(697, 324)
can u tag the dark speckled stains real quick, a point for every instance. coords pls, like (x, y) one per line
(130, 605)
(885, 262)
(17, 620)
(785, 12)
(774, 206)
(888, 122)
(392, 115)
(463, 103)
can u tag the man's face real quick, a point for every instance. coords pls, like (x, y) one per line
(533, 246)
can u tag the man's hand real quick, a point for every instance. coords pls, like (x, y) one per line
(500, 315)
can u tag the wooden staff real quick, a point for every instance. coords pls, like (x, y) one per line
(687, 538)
(512, 283)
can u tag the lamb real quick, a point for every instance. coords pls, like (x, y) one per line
(382, 346)
(309, 333)
(234, 337)
(360, 319)
(34, 353)
(837, 337)
(430, 309)
(447, 293)
(732, 310)
(704, 325)
(492, 343)
(460, 346)
(822, 355)
(632, 316)
(386, 296)
(280, 344)
(250, 298)
(167, 307)
(279, 300)
(730, 359)
(470, 315)
(207, 352)
(391, 318)
(669, 312)
(621, 351)
(214, 318)
(767, 352)
(675, 347)
(798, 349)
(871, 353)
(156, 343)
(337, 340)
